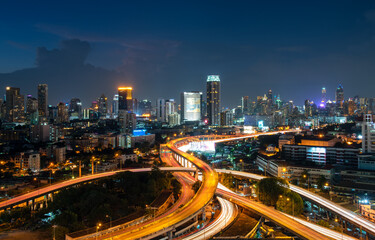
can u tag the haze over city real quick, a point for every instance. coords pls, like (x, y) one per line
(83, 50)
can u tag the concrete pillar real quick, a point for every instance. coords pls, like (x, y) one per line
(204, 214)
(170, 235)
(196, 175)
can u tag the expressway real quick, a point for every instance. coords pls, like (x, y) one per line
(55, 187)
(189, 210)
(333, 207)
(273, 215)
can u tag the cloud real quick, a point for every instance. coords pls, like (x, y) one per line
(72, 52)
(65, 70)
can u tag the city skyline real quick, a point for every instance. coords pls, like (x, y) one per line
(285, 46)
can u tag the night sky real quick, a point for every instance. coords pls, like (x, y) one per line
(163, 48)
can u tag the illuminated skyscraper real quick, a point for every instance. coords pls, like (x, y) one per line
(213, 99)
(340, 96)
(191, 105)
(102, 106)
(15, 105)
(43, 100)
(245, 105)
(324, 98)
(75, 108)
(32, 109)
(125, 99)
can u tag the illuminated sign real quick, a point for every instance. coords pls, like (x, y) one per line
(139, 132)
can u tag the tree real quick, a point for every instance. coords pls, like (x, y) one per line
(290, 203)
(269, 189)
(228, 181)
(321, 182)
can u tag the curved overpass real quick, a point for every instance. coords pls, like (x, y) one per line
(331, 206)
(56, 187)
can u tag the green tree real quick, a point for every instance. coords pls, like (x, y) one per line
(269, 189)
(290, 203)
(321, 182)
(323, 223)
(228, 181)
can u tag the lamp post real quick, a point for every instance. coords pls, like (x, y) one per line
(97, 229)
(110, 220)
(308, 181)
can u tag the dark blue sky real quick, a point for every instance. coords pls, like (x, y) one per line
(164, 48)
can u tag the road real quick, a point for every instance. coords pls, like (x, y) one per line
(333, 207)
(201, 199)
(55, 187)
(273, 215)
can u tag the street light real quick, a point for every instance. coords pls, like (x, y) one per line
(308, 181)
(110, 220)
(97, 230)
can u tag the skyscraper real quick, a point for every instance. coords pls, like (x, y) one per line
(43, 100)
(340, 96)
(245, 105)
(213, 99)
(102, 106)
(191, 106)
(115, 106)
(160, 110)
(125, 99)
(324, 97)
(75, 108)
(15, 105)
(32, 109)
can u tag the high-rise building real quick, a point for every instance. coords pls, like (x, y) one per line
(32, 109)
(160, 109)
(115, 106)
(125, 99)
(102, 106)
(368, 134)
(43, 100)
(340, 97)
(245, 105)
(324, 97)
(75, 108)
(191, 106)
(127, 121)
(62, 113)
(145, 107)
(226, 118)
(174, 119)
(15, 105)
(213, 99)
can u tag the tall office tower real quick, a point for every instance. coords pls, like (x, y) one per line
(43, 100)
(125, 99)
(52, 113)
(170, 107)
(324, 97)
(102, 106)
(75, 109)
(160, 110)
(270, 97)
(226, 118)
(15, 105)
(213, 99)
(62, 113)
(2, 109)
(127, 121)
(191, 105)
(308, 108)
(368, 134)
(32, 109)
(245, 105)
(145, 107)
(340, 96)
(115, 106)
